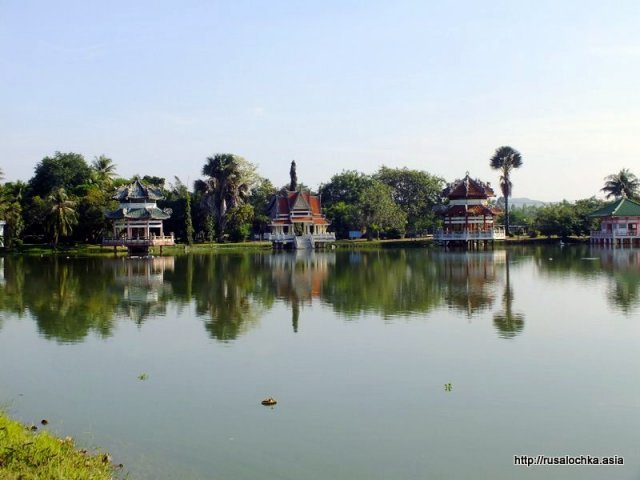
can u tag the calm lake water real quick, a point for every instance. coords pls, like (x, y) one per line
(540, 347)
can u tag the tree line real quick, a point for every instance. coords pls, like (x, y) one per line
(67, 197)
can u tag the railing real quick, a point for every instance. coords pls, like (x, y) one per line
(614, 234)
(491, 234)
(153, 240)
(290, 237)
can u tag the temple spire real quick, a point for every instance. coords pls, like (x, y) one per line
(294, 177)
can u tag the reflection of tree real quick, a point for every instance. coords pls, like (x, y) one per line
(624, 291)
(230, 293)
(467, 278)
(620, 265)
(67, 298)
(396, 282)
(508, 322)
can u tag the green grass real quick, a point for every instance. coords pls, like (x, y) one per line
(27, 455)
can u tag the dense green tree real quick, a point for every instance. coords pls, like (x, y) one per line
(340, 197)
(11, 195)
(621, 184)
(506, 159)
(36, 211)
(376, 212)
(153, 180)
(346, 187)
(62, 215)
(228, 183)
(64, 170)
(91, 207)
(239, 222)
(261, 196)
(416, 192)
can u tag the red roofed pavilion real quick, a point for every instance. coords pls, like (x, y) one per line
(297, 221)
(468, 217)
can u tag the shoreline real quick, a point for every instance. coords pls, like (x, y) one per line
(26, 452)
(91, 250)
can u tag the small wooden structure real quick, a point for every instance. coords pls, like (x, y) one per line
(468, 218)
(297, 221)
(619, 222)
(137, 224)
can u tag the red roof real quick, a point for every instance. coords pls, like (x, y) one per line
(297, 203)
(462, 210)
(468, 188)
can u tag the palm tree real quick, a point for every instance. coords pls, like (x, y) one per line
(229, 181)
(103, 170)
(621, 184)
(62, 216)
(506, 159)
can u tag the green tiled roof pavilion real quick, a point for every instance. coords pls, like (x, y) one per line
(624, 207)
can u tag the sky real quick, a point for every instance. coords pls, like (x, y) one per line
(158, 86)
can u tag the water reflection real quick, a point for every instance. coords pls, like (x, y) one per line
(469, 278)
(299, 277)
(507, 322)
(139, 284)
(72, 298)
(621, 266)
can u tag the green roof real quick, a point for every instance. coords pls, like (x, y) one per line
(137, 191)
(624, 207)
(153, 213)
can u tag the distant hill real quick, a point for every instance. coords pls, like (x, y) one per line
(521, 201)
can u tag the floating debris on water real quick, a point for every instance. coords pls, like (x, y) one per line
(269, 401)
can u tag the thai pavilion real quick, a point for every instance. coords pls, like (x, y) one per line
(297, 221)
(137, 223)
(468, 217)
(619, 222)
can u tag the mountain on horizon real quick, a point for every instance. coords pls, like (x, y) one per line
(521, 201)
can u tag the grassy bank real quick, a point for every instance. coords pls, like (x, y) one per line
(27, 455)
(97, 250)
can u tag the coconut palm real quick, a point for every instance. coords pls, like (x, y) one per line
(62, 215)
(103, 170)
(621, 184)
(506, 159)
(228, 184)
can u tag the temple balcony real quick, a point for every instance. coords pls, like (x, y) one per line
(152, 241)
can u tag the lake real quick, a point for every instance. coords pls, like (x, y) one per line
(390, 364)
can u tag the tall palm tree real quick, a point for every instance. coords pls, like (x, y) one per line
(62, 215)
(621, 184)
(228, 183)
(103, 170)
(506, 159)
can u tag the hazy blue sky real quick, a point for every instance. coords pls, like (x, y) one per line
(158, 86)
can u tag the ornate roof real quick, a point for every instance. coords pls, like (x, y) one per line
(137, 191)
(625, 207)
(298, 203)
(473, 210)
(149, 213)
(468, 188)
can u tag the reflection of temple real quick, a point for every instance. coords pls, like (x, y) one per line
(469, 277)
(623, 267)
(141, 286)
(299, 277)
